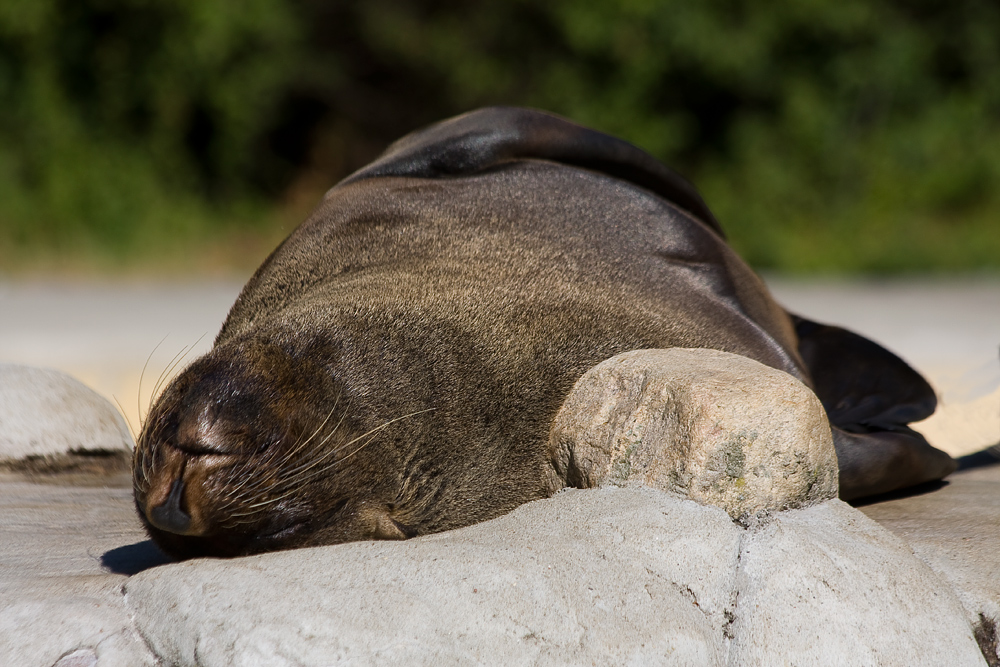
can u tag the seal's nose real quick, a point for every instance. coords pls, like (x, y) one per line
(173, 499)
(169, 515)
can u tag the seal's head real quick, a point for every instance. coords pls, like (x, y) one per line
(251, 449)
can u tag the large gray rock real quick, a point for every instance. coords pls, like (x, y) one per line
(45, 412)
(717, 427)
(606, 577)
(954, 530)
(828, 586)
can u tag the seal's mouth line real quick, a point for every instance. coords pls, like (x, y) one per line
(282, 532)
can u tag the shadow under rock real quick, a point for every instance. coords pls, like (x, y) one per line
(918, 490)
(134, 558)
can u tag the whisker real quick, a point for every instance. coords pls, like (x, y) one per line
(184, 352)
(265, 502)
(163, 374)
(309, 463)
(296, 477)
(330, 466)
(168, 371)
(252, 465)
(297, 448)
(298, 471)
(247, 471)
(128, 422)
(142, 374)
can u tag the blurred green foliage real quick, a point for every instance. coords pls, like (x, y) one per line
(847, 135)
(129, 124)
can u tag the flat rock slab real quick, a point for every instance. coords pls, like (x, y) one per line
(956, 531)
(65, 552)
(598, 576)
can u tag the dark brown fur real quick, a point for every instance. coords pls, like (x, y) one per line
(393, 368)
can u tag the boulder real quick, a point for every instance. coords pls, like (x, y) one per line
(829, 586)
(607, 576)
(46, 413)
(715, 427)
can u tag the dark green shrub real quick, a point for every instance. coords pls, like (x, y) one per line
(848, 135)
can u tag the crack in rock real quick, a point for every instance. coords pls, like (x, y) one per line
(985, 632)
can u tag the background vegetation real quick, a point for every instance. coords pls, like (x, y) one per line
(828, 135)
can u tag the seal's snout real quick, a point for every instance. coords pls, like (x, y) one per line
(177, 492)
(174, 499)
(169, 515)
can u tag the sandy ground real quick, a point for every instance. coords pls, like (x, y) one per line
(947, 329)
(105, 333)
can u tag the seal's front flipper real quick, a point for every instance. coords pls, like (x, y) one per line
(860, 383)
(870, 395)
(881, 461)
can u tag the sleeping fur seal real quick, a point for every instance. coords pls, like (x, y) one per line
(393, 368)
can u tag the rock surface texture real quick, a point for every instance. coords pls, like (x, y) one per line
(45, 412)
(58, 604)
(716, 427)
(954, 530)
(603, 576)
(621, 575)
